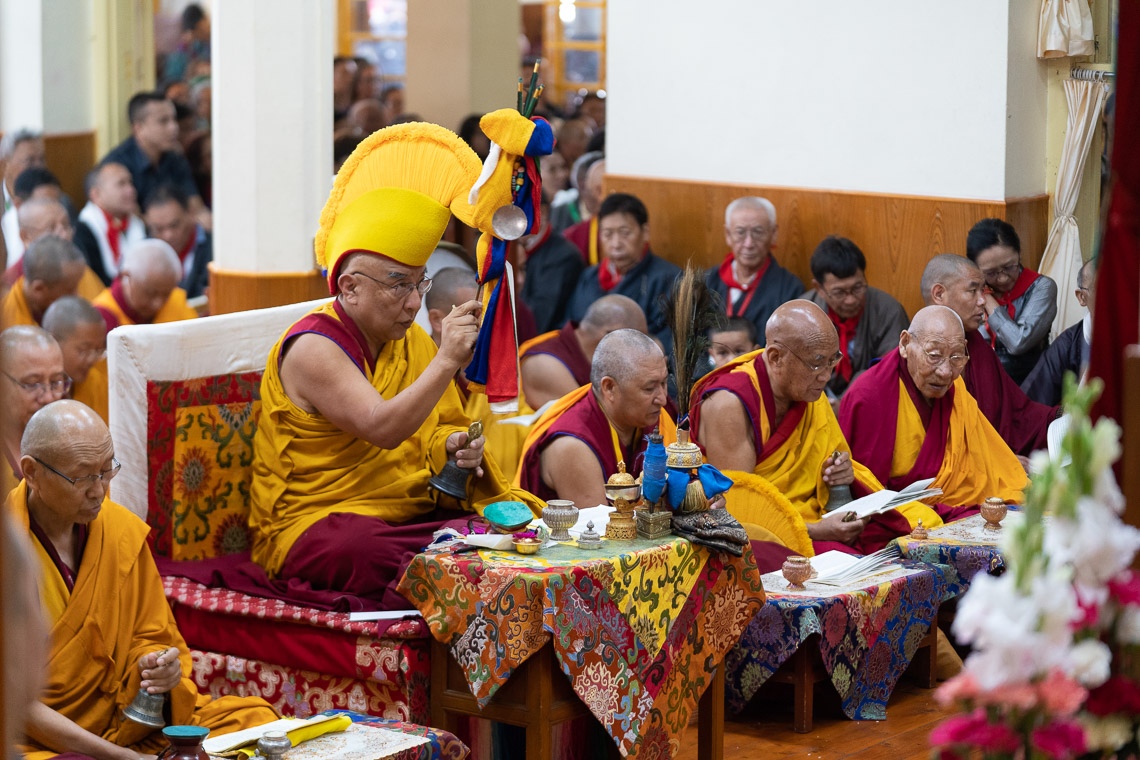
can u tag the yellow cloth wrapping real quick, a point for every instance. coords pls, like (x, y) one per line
(116, 614)
(90, 286)
(175, 309)
(796, 467)
(93, 390)
(16, 310)
(977, 463)
(297, 735)
(305, 468)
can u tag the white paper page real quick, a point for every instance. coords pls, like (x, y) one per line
(355, 617)
(224, 743)
(832, 562)
(867, 505)
(918, 485)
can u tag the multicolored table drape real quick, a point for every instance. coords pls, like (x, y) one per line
(965, 546)
(637, 627)
(867, 634)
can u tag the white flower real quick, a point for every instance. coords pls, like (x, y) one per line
(1111, 732)
(1107, 492)
(1128, 626)
(1039, 461)
(1105, 445)
(1096, 545)
(1089, 661)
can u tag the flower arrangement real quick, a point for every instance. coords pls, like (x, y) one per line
(1056, 638)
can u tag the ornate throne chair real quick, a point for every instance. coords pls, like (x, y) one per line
(184, 400)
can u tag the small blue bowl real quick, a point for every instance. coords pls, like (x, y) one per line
(508, 516)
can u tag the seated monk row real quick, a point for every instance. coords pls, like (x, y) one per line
(146, 289)
(558, 362)
(53, 268)
(910, 418)
(79, 329)
(32, 365)
(577, 444)
(112, 632)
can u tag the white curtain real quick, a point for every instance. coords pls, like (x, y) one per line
(1066, 28)
(1062, 259)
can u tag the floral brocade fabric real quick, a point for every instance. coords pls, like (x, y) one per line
(200, 453)
(638, 628)
(867, 636)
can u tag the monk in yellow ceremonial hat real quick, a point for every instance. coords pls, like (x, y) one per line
(359, 409)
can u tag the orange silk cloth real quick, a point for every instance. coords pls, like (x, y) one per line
(116, 614)
(93, 390)
(977, 463)
(795, 467)
(305, 468)
(175, 309)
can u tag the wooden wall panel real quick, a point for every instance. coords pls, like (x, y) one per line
(70, 156)
(240, 291)
(898, 234)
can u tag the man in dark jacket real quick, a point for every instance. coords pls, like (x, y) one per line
(750, 282)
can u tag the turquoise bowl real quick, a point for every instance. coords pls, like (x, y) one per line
(508, 516)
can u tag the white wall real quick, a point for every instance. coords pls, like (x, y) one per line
(880, 96)
(21, 85)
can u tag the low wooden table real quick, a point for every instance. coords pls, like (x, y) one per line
(538, 697)
(862, 638)
(633, 634)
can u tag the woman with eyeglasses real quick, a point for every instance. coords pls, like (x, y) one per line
(1020, 303)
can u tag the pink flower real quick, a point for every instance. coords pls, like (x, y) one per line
(1019, 696)
(1061, 695)
(973, 729)
(1125, 588)
(1060, 740)
(961, 688)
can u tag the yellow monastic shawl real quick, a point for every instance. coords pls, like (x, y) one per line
(93, 390)
(977, 463)
(796, 467)
(116, 614)
(305, 468)
(174, 310)
(16, 310)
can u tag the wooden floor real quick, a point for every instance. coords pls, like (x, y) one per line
(764, 730)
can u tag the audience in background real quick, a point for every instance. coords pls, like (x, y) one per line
(750, 282)
(585, 234)
(868, 320)
(549, 267)
(735, 339)
(146, 290)
(108, 223)
(52, 269)
(1020, 304)
(81, 332)
(1069, 352)
(168, 218)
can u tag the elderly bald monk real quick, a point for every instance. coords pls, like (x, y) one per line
(53, 268)
(910, 417)
(79, 329)
(358, 406)
(146, 290)
(41, 217)
(765, 414)
(956, 282)
(557, 362)
(577, 444)
(112, 631)
(32, 364)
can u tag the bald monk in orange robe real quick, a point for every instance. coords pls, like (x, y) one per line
(358, 408)
(146, 289)
(577, 444)
(910, 417)
(112, 631)
(53, 268)
(764, 414)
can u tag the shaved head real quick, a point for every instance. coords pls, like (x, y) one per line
(42, 216)
(49, 259)
(151, 257)
(58, 428)
(450, 287)
(800, 324)
(944, 269)
(938, 320)
(68, 313)
(21, 338)
(614, 312)
(29, 356)
(619, 354)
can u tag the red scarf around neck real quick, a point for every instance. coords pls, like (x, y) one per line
(729, 278)
(608, 277)
(1024, 280)
(116, 228)
(846, 329)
